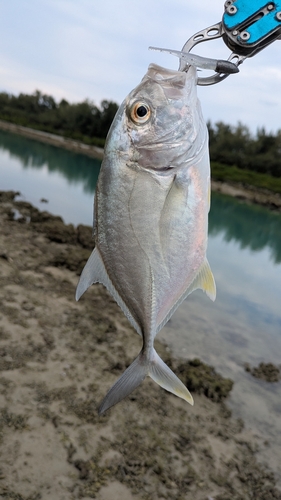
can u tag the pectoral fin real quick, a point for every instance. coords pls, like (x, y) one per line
(95, 272)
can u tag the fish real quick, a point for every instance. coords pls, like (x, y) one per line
(151, 217)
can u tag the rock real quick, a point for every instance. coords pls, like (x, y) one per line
(85, 236)
(265, 371)
(203, 379)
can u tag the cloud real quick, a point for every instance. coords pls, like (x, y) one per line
(100, 50)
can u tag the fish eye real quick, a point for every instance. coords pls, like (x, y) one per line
(140, 112)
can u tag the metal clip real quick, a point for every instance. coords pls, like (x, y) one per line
(211, 33)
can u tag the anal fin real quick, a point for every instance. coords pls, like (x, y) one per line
(95, 272)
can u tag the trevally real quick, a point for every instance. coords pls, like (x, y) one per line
(151, 216)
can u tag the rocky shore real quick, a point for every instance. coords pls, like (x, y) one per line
(57, 360)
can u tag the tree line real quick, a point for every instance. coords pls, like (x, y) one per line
(233, 146)
(236, 146)
(82, 121)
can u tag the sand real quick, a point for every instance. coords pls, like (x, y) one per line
(57, 360)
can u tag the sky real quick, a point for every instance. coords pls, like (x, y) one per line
(98, 49)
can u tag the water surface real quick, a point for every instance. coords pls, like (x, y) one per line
(42, 171)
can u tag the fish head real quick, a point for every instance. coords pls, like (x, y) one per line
(160, 123)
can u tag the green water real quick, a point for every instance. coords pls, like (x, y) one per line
(67, 180)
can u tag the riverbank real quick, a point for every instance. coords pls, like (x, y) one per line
(58, 359)
(246, 193)
(55, 140)
(249, 194)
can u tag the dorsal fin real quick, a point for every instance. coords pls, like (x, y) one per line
(204, 280)
(95, 272)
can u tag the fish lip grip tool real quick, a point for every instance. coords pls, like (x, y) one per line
(247, 27)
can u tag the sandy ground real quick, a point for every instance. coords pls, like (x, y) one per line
(57, 360)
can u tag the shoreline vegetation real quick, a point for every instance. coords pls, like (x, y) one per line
(248, 186)
(57, 360)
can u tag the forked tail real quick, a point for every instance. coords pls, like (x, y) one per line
(132, 377)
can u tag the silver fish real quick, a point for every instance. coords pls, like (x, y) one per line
(151, 216)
